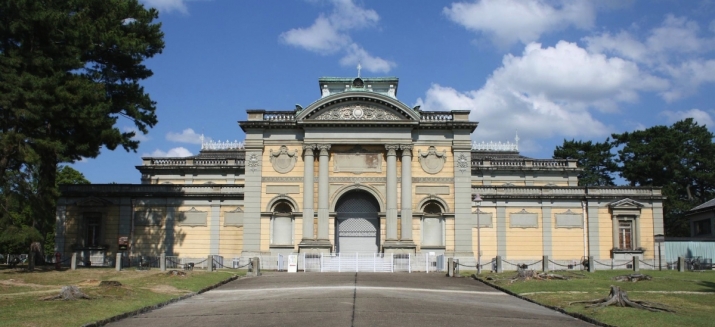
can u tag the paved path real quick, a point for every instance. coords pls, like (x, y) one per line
(350, 299)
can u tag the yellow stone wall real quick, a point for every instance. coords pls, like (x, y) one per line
(230, 237)
(488, 236)
(192, 241)
(566, 243)
(605, 235)
(646, 233)
(524, 243)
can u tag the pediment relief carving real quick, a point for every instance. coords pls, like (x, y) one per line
(626, 204)
(357, 111)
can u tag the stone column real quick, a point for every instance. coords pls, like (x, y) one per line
(308, 190)
(406, 212)
(323, 192)
(391, 185)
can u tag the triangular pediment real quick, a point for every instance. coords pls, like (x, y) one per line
(93, 201)
(358, 106)
(626, 204)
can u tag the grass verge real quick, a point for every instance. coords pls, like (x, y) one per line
(690, 294)
(21, 293)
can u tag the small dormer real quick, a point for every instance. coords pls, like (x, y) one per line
(382, 85)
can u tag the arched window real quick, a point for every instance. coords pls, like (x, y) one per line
(282, 224)
(433, 225)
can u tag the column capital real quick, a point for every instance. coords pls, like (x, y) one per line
(391, 149)
(323, 149)
(406, 149)
(310, 147)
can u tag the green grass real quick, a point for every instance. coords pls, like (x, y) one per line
(20, 293)
(694, 308)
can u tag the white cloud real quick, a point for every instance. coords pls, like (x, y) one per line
(547, 92)
(186, 136)
(167, 5)
(357, 55)
(175, 152)
(138, 135)
(674, 50)
(701, 117)
(329, 35)
(509, 21)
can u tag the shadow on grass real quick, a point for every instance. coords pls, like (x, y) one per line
(709, 286)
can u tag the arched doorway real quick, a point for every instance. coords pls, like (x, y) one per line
(357, 227)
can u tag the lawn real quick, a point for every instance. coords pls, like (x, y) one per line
(690, 294)
(21, 293)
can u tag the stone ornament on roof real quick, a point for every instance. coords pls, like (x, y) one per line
(283, 160)
(357, 112)
(432, 161)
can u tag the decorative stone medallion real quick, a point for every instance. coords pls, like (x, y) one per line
(432, 161)
(283, 160)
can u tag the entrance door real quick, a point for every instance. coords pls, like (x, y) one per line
(358, 225)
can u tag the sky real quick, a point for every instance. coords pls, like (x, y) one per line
(548, 70)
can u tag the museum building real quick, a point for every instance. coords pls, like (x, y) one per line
(359, 171)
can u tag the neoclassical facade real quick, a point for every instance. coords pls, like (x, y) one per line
(360, 171)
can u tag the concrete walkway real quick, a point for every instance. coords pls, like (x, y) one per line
(352, 299)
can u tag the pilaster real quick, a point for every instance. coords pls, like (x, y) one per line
(391, 193)
(593, 244)
(546, 229)
(308, 190)
(214, 229)
(323, 210)
(406, 213)
(252, 202)
(463, 221)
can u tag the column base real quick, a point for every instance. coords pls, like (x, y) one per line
(315, 246)
(399, 247)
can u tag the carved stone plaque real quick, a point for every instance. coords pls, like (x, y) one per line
(432, 161)
(358, 162)
(283, 160)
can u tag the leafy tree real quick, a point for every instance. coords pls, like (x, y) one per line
(69, 70)
(596, 160)
(678, 158)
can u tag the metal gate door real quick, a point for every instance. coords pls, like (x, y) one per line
(357, 225)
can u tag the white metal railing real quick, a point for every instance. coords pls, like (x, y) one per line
(218, 145)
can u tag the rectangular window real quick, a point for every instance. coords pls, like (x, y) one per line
(702, 227)
(625, 232)
(93, 228)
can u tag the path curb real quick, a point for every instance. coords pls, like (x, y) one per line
(575, 315)
(148, 308)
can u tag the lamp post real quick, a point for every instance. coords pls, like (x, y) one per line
(478, 200)
(659, 239)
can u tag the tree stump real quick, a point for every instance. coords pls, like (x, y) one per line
(523, 274)
(68, 293)
(619, 297)
(632, 278)
(110, 283)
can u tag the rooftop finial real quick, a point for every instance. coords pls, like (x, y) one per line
(516, 138)
(358, 68)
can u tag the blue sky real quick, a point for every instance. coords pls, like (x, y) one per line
(551, 69)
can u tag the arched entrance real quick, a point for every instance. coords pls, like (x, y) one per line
(357, 227)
